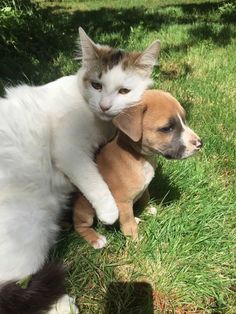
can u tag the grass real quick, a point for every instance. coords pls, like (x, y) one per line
(184, 261)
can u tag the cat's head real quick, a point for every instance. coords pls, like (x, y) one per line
(112, 79)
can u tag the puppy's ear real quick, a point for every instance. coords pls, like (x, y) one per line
(130, 121)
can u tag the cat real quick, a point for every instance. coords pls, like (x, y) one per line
(48, 137)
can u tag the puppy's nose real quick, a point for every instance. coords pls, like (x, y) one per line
(198, 144)
(104, 108)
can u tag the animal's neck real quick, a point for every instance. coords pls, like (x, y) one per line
(126, 143)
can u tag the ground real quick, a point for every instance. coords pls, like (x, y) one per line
(184, 261)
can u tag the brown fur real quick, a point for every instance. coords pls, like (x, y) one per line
(99, 59)
(127, 162)
(107, 58)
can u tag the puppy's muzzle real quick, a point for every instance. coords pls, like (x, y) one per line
(199, 144)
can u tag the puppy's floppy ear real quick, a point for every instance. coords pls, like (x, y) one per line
(130, 121)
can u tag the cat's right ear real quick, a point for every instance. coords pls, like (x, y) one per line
(88, 50)
(148, 57)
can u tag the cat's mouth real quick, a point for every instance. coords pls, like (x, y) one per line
(106, 116)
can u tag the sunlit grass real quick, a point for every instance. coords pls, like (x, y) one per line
(187, 251)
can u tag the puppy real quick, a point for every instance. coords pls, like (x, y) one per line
(156, 125)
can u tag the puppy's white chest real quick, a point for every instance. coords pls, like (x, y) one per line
(148, 173)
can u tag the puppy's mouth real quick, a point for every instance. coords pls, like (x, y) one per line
(167, 156)
(175, 155)
(181, 154)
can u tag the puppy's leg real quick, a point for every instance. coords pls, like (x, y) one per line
(128, 224)
(143, 202)
(144, 199)
(83, 220)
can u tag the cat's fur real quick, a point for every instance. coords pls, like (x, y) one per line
(43, 288)
(48, 136)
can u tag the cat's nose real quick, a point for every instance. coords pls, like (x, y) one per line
(104, 108)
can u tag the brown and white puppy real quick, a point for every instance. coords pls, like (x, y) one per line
(156, 125)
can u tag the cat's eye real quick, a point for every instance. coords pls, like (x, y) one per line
(124, 91)
(96, 85)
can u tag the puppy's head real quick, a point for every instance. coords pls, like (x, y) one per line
(158, 125)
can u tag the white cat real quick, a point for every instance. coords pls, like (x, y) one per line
(48, 136)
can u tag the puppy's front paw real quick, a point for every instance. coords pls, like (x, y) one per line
(109, 215)
(152, 210)
(138, 220)
(100, 243)
(130, 228)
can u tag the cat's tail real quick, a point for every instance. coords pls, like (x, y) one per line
(43, 290)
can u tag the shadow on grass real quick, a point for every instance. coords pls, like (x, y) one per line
(162, 189)
(33, 37)
(129, 297)
(218, 35)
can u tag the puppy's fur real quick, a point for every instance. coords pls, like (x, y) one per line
(155, 126)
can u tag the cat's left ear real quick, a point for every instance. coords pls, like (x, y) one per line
(149, 56)
(89, 50)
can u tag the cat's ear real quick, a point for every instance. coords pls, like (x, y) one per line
(130, 121)
(148, 57)
(88, 49)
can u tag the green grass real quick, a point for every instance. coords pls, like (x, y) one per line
(185, 258)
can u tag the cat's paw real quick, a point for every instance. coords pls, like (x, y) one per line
(109, 215)
(100, 243)
(65, 305)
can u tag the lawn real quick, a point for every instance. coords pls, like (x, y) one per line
(184, 261)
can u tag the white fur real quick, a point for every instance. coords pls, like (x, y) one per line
(100, 243)
(65, 305)
(48, 137)
(148, 173)
(188, 137)
(152, 210)
(109, 96)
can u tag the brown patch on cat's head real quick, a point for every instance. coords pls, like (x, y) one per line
(109, 57)
(101, 59)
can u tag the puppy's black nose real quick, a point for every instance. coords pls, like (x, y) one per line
(199, 144)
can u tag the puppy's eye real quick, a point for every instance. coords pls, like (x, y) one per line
(96, 85)
(124, 91)
(166, 129)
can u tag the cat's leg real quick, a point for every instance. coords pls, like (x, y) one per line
(84, 174)
(83, 220)
(128, 224)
